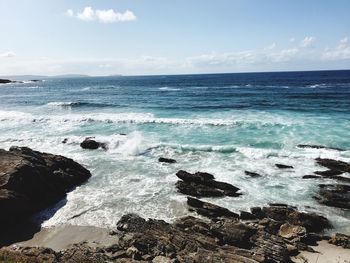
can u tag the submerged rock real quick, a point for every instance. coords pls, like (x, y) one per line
(210, 210)
(334, 165)
(166, 160)
(252, 174)
(329, 173)
(203, 185)
(31, 180)
(318, 147)
(283, 166)
(334, 195)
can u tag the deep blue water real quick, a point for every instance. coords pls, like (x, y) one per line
(219, 123)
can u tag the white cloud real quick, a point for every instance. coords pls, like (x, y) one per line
(69, 12)
(88, 14)
(307, 41)
(340, 52)
(7, 54)
(103, 16)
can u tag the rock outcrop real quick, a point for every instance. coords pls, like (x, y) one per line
(210, 210)
(252, 174)
(166, 160)
(203, 185)
(334, 165)
(31, 181)
(283, 166)
(5, 81)
(337, 195)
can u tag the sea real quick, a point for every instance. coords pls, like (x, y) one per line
(222, 124)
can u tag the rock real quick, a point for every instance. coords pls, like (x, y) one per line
(161, 259)
(318, 147)
(340, 240)
(166, 160)
(65, 140)
(334, 165)
(252, 174)
(5, 81)
(203, 185)
(209, 210)
(311, 177)
(31, 181)
(247, 216)
(283, 166)
(291, 231)
(91, 144)
(334, 195)
(329, 173)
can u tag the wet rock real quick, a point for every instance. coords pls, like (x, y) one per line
(31, 180)
(203, 185)
(334, 164)
(334, 195)
(340, 240)
(283, 166)
(311, 177)
(166, 160)
(291, 231)
(91, 144)
(210, 210)
(329, 173)
(252, 174)
(65, 140)
(318, 147)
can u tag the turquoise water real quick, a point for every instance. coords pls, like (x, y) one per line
(223, 124)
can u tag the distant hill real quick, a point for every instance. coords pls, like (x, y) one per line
(41, 77)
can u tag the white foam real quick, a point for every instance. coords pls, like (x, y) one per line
(169, 89)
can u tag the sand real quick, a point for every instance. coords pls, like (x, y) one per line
(328, 253)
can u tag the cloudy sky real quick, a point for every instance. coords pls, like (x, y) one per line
(135, 37)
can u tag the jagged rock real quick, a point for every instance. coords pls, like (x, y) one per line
(291, 231)
(319, 147)
(340, 240)
(166, 160)
(283, 166)
(210, 210)
(203, 185)
(91, 144)
(334, 165)
(252, 174)
(31, 180)
(334, 195)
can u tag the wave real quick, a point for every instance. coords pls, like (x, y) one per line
(69, 104)
(169, 89)
(198, 148)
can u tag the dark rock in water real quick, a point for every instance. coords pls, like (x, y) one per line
(283, 166)
(209, 210)
(319, 147)
(334, 165)
(252, 174)
(35, 80)
(166, 160)
(91, 144)
(200, 190)
(311, 177)
(334, 195)
(340, 240)
(65, 140)
(31, 180)
(196, 177)
(5, 81)
(329, 173)
(203, 185)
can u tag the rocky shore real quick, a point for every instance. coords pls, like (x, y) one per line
(31, 181)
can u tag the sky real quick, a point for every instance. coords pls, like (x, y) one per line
(147, 37)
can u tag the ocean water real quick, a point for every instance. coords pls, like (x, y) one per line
(222, 124)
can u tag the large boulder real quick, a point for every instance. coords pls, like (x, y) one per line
(337, 195)
(31, 180)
